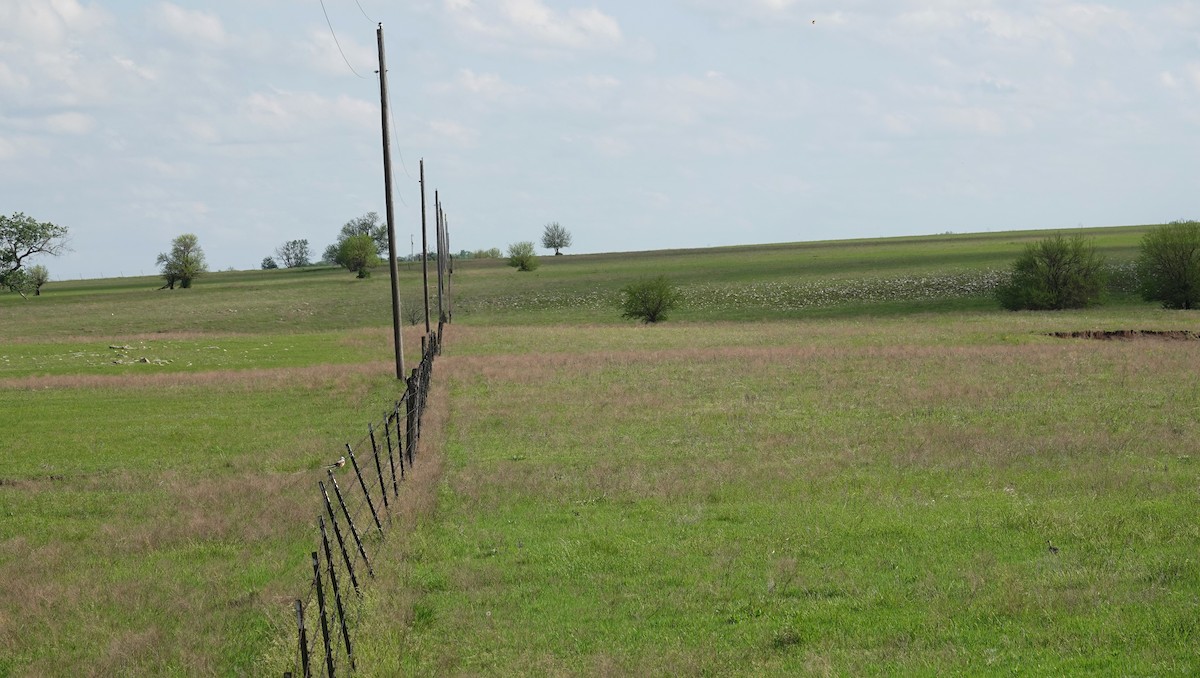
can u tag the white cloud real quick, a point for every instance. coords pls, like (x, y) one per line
(324, 54)
(486, 85)
(11, 80)
(49, 23)
(130, 66)
(282, 112)
(191, 25)
(518, 23)
(455, 133)
(70, 123)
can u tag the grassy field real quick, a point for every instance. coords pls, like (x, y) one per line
(836, 458)
(810, 497)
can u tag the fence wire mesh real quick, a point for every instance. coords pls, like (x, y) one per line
(352, 526)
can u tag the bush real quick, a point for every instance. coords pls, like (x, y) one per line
(358, 255)
(521, 256)
(649, 300)
(1169, 265)
(1053, 274)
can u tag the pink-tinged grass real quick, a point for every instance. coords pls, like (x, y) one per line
(828, 498)
(160, 524)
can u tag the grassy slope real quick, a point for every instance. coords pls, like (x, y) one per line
(135, 483)
(859, 488)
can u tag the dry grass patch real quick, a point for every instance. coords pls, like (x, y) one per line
(850, 503)
(316, 376)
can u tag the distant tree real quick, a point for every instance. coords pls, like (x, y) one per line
(1169, 265)
(38, 276)
(555, 237)
(268, 264)
(414, 311)
(184, 263)
(22, 237)
(1053, 274)
(357, 254)
(293, 253)
(331, 254)
(521, 256)
(649, 300)
(493, 253)
(367, 224)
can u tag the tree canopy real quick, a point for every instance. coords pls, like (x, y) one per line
(358, 254)
(184, 262)
(1053, 274)
(293, 253)
(22, 237)
(1169, 265)
(555, 237)
(367, 224)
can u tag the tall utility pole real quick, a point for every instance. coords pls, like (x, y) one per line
(442, 267)
(424, 249)
(397, 335)
(437, 213)
(449, 274)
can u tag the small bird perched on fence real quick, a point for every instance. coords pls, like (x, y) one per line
(339, 463)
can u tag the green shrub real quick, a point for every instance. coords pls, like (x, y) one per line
(1053, 274)
(521, 256)
(649, 300)
(357, 254)
(1169, 265)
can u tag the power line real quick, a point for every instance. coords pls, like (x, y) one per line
(336, 42)
(364, 12)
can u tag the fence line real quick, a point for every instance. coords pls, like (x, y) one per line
(323, 629)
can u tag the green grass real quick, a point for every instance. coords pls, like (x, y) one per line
(836, 458)
(810, 497)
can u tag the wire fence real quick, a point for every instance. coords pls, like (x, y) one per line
(357, 496)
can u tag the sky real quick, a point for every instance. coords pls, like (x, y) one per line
(636, 124)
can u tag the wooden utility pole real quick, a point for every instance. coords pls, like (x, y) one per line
(449, 273)
(397, 335)
(437, 213)
(424, 250)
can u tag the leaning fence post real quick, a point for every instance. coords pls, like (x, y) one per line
(378, 468)
(387, 434)
(337, 593)
(400, 446)
(337, 491)
(411, 417)
(337, 532)
(366, 493)
(303, 639)
(316, 563)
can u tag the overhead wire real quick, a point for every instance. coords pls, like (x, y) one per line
(337, 42)
(364, 12)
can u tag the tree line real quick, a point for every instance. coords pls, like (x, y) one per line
(1056, 272)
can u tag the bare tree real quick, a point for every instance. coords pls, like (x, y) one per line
(293, 253)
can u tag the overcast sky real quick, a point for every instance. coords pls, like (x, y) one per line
(636, 124)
